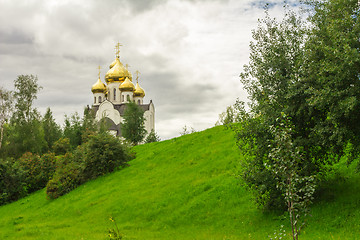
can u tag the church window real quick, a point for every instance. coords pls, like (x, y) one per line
(123, 98)
(128, 98)
(94, 99)
(99, 99)
(139, 102)
(114, 93)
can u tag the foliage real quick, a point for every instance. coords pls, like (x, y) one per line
(285, 162)
(52, 131)
(73, 130)
(187, 130)
(231, 115)
(133, 127)
(101, 154)
(66, 177)
(38, 169)
(62, 146)
(152, 137)
(6, 107)
(26, 133)
(12, 181)
(332, 73)
(114, 234)
(310, 72)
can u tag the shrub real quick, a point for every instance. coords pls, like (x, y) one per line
(12, 181)
(62, 146)
(66, 177)
(38, 169)
(101, 154)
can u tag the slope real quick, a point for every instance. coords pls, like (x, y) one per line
(183, 188)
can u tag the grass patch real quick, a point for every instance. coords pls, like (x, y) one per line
(182, 188)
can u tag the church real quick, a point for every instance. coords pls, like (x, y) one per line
(110, 99)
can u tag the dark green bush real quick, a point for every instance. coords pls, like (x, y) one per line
(62, 146)
(101, 154)
(66, 178)
(38, 169)
(12, 181)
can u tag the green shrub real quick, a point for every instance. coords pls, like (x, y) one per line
(12, 181)
(38, 169)
(101, 154)
(66, 177)
(62, 146)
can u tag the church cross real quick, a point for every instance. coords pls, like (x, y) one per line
(99, 70)
(137, 75)
(117, 48)
(127, 66)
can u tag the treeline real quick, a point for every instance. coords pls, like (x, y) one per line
(303, 81)
(35, 152)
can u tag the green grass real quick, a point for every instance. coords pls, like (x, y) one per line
(183, 188)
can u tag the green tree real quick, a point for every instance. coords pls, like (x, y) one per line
(6, 107)
(272, 78)
(27, 134)
(285, 162)
(332, 73)
(152, 137)
(133, 127)
(52, 131)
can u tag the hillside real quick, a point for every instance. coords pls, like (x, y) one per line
(183, 188)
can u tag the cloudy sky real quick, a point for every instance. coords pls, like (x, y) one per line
(189, 52)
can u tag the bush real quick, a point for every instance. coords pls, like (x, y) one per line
(101, 154)
(38, 169)
(12, 181)
(62, 146)
(66, 177)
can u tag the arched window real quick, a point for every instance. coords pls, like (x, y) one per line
(99, 99)
(139, 102)
(128, 98)
(114, 93)
(122, 98)
(94, 99)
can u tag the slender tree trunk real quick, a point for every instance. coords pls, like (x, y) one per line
(1, 134)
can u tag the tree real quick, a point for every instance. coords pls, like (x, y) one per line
(272, 79)
(133, 127)
(52, 131)
(285, 162)
(27, 134)
(152, 137)
(332, 72)
(6, 107)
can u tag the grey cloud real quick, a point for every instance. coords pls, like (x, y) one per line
(15, 36)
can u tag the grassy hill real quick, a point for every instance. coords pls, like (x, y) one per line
(183, 188)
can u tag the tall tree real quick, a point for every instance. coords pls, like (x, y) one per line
(333, 72)
(133, 127)
(52, 130)
(6, 107)
(27, 132)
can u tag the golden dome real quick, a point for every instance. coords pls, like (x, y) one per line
(139, 92)
(127, 85)
(112, 64)
(98, 87)
(117, 72)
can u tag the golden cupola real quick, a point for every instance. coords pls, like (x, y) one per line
(139, 92)
(98, 87)
(117, 73)
(127, 85)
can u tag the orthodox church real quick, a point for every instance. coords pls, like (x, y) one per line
(110, 99)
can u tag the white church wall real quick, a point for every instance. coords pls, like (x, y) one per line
(106, 109)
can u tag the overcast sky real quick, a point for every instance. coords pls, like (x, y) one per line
(190, 53)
